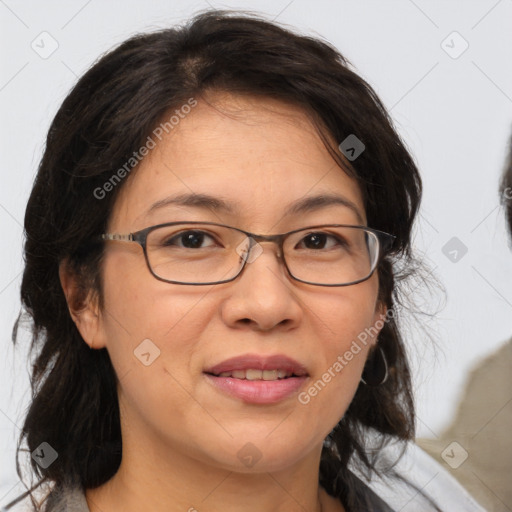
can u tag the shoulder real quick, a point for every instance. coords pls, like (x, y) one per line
(417, 483)
(69, 497)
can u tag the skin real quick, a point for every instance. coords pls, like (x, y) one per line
(180, 434)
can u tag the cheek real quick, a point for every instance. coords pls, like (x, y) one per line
(138, 303)
(347, 327)
(145, 316)
(152, 331)
(349, 316)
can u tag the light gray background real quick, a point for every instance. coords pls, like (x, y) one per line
(455, 115)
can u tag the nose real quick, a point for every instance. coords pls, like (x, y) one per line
(264, 295)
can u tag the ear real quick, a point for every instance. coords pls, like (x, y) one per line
(83, 306)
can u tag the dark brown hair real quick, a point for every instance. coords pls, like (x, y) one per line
(506, 188)
(105, 118)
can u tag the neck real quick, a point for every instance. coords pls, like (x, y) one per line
(149, 482)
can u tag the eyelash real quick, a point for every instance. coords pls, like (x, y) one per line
(180, 235)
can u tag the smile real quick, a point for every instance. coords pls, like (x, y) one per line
(254, 374)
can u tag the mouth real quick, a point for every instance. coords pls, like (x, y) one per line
(258, 379)
(255, 374)
(258, 367)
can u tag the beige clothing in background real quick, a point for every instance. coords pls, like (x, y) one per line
(482, 427)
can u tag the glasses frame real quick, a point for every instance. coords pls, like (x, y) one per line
(384, 244)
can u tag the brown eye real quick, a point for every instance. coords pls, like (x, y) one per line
(320, 240)
(188, 239)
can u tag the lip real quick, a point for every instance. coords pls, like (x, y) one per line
(259, 362)
(258, 391)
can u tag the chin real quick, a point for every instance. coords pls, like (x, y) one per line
(258, 454)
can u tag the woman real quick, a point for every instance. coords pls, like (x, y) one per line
(212, 254)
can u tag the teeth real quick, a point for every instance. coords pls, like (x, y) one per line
(269, 374)
(253, 374)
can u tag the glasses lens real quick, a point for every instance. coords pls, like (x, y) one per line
(195, 253)
(207, 253)
(332, 254)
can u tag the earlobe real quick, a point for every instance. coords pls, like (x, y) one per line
(82, 305)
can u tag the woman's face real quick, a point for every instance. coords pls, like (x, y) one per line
(260, 156)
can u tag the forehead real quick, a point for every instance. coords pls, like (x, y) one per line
(258, 157)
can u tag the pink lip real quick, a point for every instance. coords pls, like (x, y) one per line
(258, 391)
(257, 362)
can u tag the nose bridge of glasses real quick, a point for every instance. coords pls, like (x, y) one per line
(256, 240)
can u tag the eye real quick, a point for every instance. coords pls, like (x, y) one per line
(321, 240)
(191, 239)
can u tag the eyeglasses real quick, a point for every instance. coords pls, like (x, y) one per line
(203, 253)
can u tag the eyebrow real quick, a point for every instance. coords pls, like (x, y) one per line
(300, 206)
